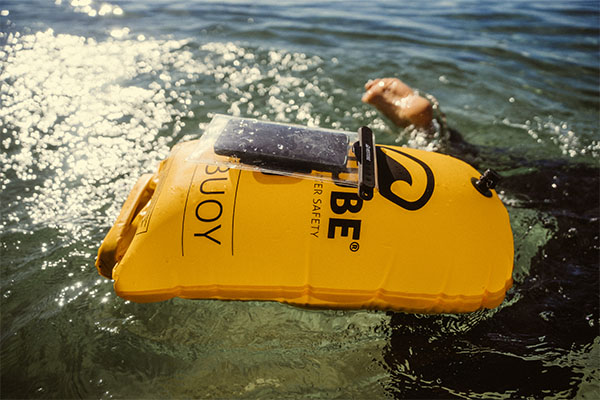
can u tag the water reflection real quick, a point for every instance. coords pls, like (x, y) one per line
(84, 115)
(92, 8)
(82, 119)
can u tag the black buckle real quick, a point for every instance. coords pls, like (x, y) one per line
(364, 150)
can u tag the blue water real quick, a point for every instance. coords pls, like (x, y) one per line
(93, 94)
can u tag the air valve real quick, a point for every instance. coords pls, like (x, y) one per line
(486, 182)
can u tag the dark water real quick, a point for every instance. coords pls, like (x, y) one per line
(92, 94)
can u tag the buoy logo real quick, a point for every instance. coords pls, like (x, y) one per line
(390, 171)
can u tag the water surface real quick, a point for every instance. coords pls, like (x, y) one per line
(93, 94)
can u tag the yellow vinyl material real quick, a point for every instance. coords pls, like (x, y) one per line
(427, 242)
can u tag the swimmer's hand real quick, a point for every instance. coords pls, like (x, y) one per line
(399, 103)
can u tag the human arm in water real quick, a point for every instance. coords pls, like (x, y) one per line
(399, 102)
(405, 107)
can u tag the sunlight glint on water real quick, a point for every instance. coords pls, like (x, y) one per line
(93, 94)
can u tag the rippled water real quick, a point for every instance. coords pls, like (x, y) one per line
(93, 94)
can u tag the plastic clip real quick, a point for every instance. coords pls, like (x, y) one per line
(364, 150)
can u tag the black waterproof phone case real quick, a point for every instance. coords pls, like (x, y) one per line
(291, 148)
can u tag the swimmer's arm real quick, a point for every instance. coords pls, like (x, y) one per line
(399, 103)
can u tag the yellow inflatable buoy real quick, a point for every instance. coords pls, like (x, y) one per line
(418, 231)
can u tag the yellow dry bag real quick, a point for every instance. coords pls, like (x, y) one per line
(310, 217)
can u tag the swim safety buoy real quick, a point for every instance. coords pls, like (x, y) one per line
(429, 238)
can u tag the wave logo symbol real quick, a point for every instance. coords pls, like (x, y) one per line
(390, 171)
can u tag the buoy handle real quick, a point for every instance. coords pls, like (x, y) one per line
(119, 237)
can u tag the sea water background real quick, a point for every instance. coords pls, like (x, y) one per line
(93, 94)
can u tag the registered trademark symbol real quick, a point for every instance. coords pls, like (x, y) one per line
(354, 246)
